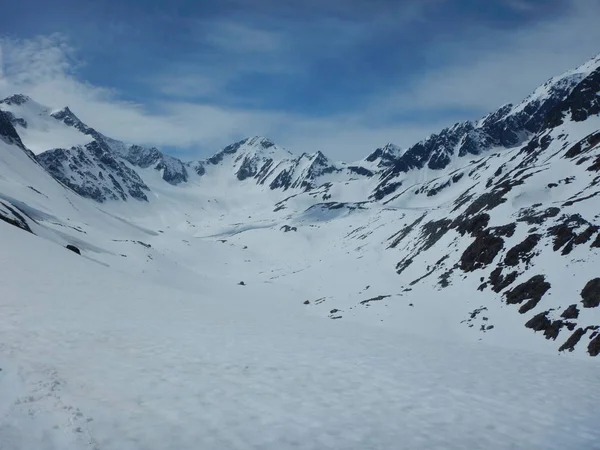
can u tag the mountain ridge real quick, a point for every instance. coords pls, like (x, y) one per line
(474, 230)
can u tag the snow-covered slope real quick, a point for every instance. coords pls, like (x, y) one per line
(488, 230)
(94, 171)
(269, 165)
(36, 126)
(258, 290)
(508, 127)
(95, 359)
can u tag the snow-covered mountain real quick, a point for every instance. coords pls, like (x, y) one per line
(488, 230)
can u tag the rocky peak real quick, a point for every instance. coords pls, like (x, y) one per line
(67, 116)
(259, 141)
(507, 127)
(385, 156)
(172, 169)
(16, 99)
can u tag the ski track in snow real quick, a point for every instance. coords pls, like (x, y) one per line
(107, 363)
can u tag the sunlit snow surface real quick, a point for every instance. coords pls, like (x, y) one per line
(94, 359)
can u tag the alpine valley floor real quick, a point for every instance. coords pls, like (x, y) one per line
(92, 358)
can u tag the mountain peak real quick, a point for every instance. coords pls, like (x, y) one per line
(16, 99)
(385, 156)
(259, 141)
(65, 113)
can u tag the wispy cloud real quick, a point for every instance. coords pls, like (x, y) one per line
(497, 67)
(195, 104)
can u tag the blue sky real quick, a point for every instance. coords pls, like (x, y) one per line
(341, 76)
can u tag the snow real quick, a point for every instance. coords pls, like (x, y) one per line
(147, 339)
(565, 82)
(43, 132)
(92, 358)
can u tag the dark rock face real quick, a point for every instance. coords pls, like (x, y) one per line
(532, 290)
(481, 252)
(539, 322)
(580, 104)
(522, 251)
(375, 299)
(565, 235)
(570, 313)
(584, 146)
(553, 330)
(362, 171)
(591, 294)
(173, 170)
(287, 228)
(93, 171)
(433, 231)
(67, 116)
(74, 249)
(572, 341)
(385, 156)
(7, 130)
(472, 225)
(594, 347)
(232, 149)
(15, 120)
(596, 243)
(499, 281)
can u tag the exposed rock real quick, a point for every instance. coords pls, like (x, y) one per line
(74, 249)
(591, 294)
(539, 322)
(499, 281)
(522, 251)
(532, 290)
(594, 346)
(375, 299)
(533, 217)
(403, 265)
(7, 130)
(553, 330)
(287, 228)
(564, 233)
(433, 231)
(572, 341)
(570, 313)
(400, 235)
(307, 302)
(481, 252)
(471, 225)
(95, 172)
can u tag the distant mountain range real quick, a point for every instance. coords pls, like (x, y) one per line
(489, 229)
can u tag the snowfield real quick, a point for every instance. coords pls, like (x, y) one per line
(443, 296)
(95, 359)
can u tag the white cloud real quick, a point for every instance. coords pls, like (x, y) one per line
(43, 69)
(499, 67)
